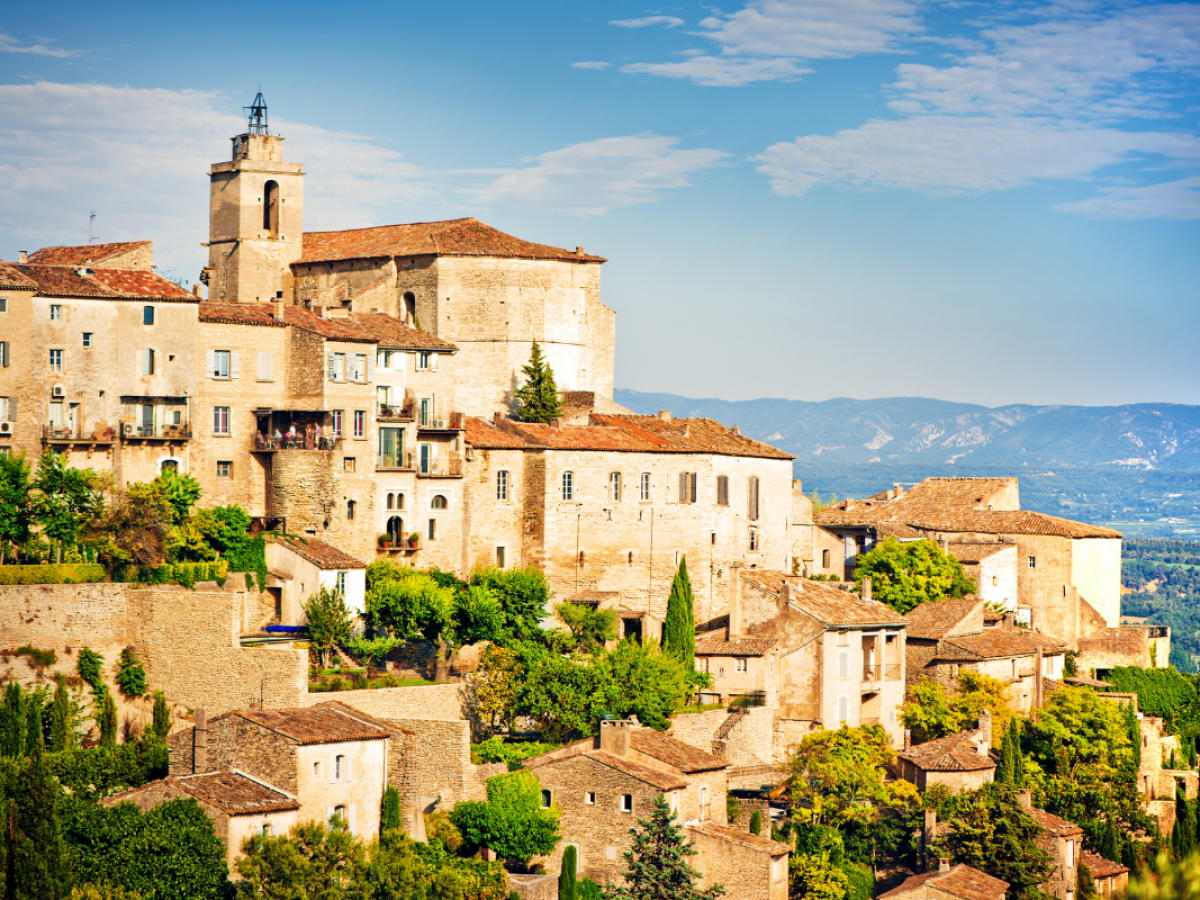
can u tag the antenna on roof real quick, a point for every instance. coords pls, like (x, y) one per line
(91, 222)
(256, 115)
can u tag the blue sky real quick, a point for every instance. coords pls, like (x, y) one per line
(990, 203)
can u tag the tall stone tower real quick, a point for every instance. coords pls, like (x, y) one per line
(256, 217)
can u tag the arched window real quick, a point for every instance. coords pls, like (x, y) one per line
(439, 502)
(824, 559)
(350, 509)
(391, 501)
(395, 528)
(169, 465)
(271, 208)
(399, 501)
(410, 308)
(752, 499)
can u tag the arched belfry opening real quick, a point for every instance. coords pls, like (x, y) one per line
(271, 208)
(410, 309)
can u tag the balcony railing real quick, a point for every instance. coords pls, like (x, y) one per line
(441, 467)
(881, 672)
(300, 442)
(133, 431)
(389, 412)
(397, 460)
(52, 434)
(453, 422)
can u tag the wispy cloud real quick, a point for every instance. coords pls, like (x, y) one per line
(723, 71)
(41, 47)
(1062, 97)
(597, 176)
(590, 65)
(669, 21)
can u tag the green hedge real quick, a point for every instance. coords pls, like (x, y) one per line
(187, 574)
(66, 573)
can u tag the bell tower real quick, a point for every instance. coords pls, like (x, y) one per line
(256, 217)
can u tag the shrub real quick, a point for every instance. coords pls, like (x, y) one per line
(131, 677)
(64, 573)
(89, 666)
(756, 824)
(39, 658)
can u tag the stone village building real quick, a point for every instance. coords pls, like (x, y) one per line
(959, 882)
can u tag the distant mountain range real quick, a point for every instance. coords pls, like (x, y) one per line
(904, 430)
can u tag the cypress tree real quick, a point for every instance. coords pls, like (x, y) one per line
(37, 867)
(1183, 834)
(12, 721)
(60, 720)
(679, 629)
(390, 817)
(566, 878)
(656, 864)
(106, 717)
(1135, 735)
(1085, 886)
(538, 396)
(162, 716)
(756, 822)
(34, 730)
(1110, 845)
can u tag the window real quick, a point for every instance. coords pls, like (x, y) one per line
(147, 315)
(426, 458)
(5, 410)
(740, 664)
(614, 486)
(338, 762)
(4, 354)
(426, 412)
(349, 463)
(423, 359)
(547, 799)
(995, 581)
(55, 312)
(220, 420)
(224, 468)
(169, 465)
(87, 339)
(502, 484)
(3, 304)
(271, 208)
(266, 829)
(360, 423)
(590, 798)
(1070, 853)
(568, 485)
(722, 490)
(391, 452)
(358, 367)
(824, 559)
(337, 366)
(350, 508)
(340, 583)
(843, 709)
(433, 529)
(339, 811)
(645, 486)
(439, 502)
(687, 487)
(147, 362)
(316, 770)
(627, 802)
(391, 501)
(703, 801)
(266, 365)
(752, 499)
(843, 664)
(501, 553)
(56, 363)
(336, 422)
(383, 360)
(753, 538)
(219, 363)
(1032, 559)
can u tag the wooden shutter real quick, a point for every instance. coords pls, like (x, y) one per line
(12, 409)
(211, 357)
(693, 479)
(4, 354)
(683, 487)
(234, 363)
(752, 499)
(332, 366)
(722, 490)
(371, 367)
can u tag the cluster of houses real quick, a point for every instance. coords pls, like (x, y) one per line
(356, 390)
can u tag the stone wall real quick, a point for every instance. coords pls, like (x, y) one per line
(442, 702)
(441, 768)
(747, 873)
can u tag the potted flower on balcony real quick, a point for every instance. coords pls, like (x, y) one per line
(385, 540)
(414, 539)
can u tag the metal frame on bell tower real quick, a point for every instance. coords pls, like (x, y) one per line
(256, 115)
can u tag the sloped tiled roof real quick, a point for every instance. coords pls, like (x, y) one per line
(235, 793)
(104, 284)
(488, 437)
(826, 604)
(997, 644)
(1053, 824)
(1101, 867)
(315, 725)
(1014, 522)
(320, 554)
(953, 753)
(84, 254)
(12, 278)
(742, 838)
(934, 620)
(263, 315)
(664, 781)
(971, 553)
(391, 332)
(674, 752)
(692, 435)
(962, 882)
(452, 237)
(718, 645)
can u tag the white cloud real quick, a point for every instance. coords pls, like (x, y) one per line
(594, 177)
(10, 44)
(590, 65)
(669, 21)
(1169, 200)
(723, 71)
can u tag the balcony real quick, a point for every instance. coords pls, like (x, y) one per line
(453, 423)
(449, 466)
(397, 461)
(61, 435)
(877, 673)
(299, 442)
(386, 412)
(133, 432)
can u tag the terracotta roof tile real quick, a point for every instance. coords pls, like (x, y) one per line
(453, 237)
(935, 620)
(826, 604)
(320, 554)
(692, 435)
(84, 254)
(674, 752)
(953, 753)
(235, 793)
(742, 838)
(1053, 824)
(718, 645)
(974, 552)
(1101, 867)
(654, 777)
(997, 644)
(391, 332)
(104, 284)
(962, 882)
(315, 725)
(12, 278)
(263, 315)
(1016, 522)
(488, 437)
(257, 314)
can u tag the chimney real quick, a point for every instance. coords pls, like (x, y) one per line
(907, 738)
(200, 743)
(579, 251)
(898, 488)
(866, 588)
(1025, 798)
(736, 430)
(496, 419)
(614, 735)
(891, 494)
(665, 415)
(196, 291)
(985, 728)
(277, 310)
(945, 545)
(735, 603)
(943, 864)
(22, 257)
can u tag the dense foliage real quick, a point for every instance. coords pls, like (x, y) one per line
(512, 821)
(1163, 577)
(905, 575)
(656, 865)
(931, 713)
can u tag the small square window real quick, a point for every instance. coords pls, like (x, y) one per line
(87, 339)
(147, 315)
(3, 304)
(627, 803)
(224, 468)
(547, 799)
(348, 463)
(590, 798)
(1033, 562)
(55, 312)
(740, 665)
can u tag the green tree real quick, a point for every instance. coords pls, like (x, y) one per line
(756, 822)
(328, 622)
(37, 866)
(12, 721)
(1078, 727)
(66, 499)
(538, 396)
(524, 596)
(62, 731)
(994, 834)
(181, 491)
(931, 713)
(566, 876)
(90, 665)
(679, 629)
(590, 625)
(390, 814)
(478, 616)
(493, 693)
(656, 866)
(408, 603)
(906, 575)
(16, 503)
(161, 723)
(1011, 770)
(1168, 880)
(106, 716)
(35, 731)
(131, 676)
(512, 821)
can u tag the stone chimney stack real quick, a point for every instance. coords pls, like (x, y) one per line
(614, 735)
(196, 290)
(945, 545)
(866, 588)
(665, 415)
(200, 743)
(277, 310)
(907, 738)
(22, 257)
(985, 729)
(943, 864)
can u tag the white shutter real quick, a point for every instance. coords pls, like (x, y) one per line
(331, 362)
(371, 367)
(328, 814)
(211, 357)
(234, 363)
(433, 361)
(4, 354)
(348, 772)
(262, 365)
(12, 409)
